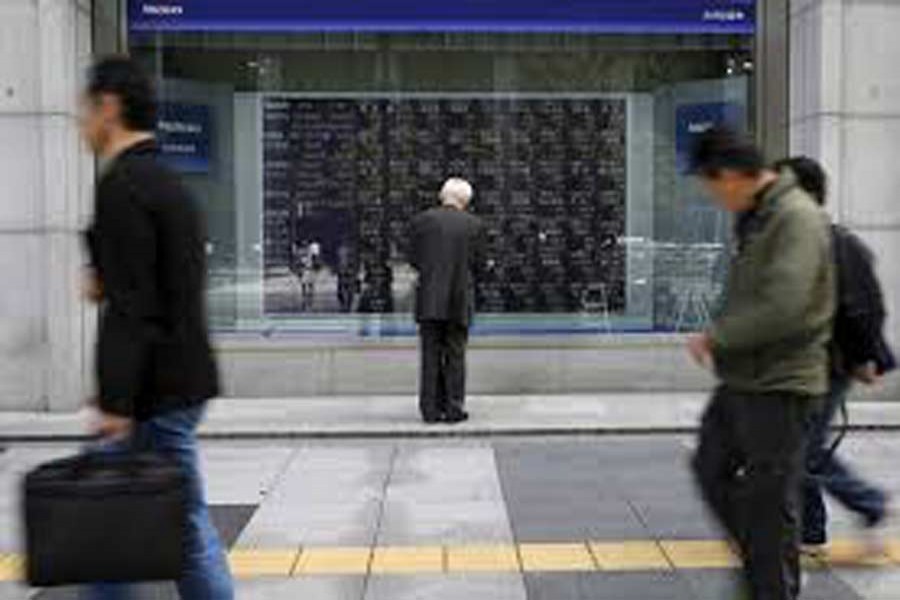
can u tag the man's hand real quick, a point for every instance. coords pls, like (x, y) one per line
(699, 346)
(867, 374)
(91, 286)
(112, 427)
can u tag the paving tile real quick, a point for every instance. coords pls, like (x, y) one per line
(230, 521)
(144, 591)
(507, 586)
(305, 588)
(682, 523)
(418, 559)
(472, 559)
(825, 585)
(325, 474)
(549, 500)
(713, 584)
(608, 586)
(15, 591)
(566, 520)
(481, 489)
(242, 475)
(629, 556)
(444, 463)
(323, 524)
(720, 583)
(556, 557)
(409, 522)
(334, 561)
(871, 584)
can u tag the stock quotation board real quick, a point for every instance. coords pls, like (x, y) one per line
(343, 178)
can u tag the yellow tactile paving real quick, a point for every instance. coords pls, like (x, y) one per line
(610, 556)
(629, 556)
(415, 559)
(495, 559)
(857, 553)
(892, 550)
(810, 562)
(334, 561)
(262, 563)
(556, 557)
(12, 567)
(700, 554)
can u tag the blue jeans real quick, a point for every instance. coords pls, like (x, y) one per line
(206, 575)
(825, 471)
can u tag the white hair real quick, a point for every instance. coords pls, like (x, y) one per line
(457, 192)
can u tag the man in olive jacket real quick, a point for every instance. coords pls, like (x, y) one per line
(769, 348)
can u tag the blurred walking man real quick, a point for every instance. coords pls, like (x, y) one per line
(858, 352)
(446, 247)
(148, 271)
(769, 348)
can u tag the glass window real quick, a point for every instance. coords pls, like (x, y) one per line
(312, 149)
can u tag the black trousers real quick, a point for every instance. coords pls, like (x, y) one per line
(442, 385)
(749, 465)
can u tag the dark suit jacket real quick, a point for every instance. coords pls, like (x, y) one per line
(147, 244)
(447, 248)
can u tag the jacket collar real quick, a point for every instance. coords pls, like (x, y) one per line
(768, 197)
(766, 204)
(146, 147)
(143, 148)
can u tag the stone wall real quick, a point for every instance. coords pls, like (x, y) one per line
(45, 187)
(845, 110)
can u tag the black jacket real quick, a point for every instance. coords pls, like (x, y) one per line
(147, 245)
(859, 322)
(446, 248)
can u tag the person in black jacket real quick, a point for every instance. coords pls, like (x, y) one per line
(859, 352)
(447, 246)
(147, 246)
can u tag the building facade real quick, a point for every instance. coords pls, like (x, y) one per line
(311, 140)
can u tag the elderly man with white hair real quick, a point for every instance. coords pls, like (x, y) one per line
(447, 250)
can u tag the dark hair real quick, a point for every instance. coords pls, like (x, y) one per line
(810, 175)
(720, 149)
(124, 78)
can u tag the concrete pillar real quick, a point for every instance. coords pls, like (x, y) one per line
(45, 193)
(845, 110)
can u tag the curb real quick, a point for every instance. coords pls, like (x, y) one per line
(363, 434)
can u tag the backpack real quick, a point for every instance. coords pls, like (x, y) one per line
(860, 313)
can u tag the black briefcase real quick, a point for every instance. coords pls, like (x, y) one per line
(104, 518)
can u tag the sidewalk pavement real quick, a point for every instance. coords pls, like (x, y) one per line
(397, 416)
(581, 518)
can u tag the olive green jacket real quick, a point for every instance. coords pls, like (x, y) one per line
(773, 331)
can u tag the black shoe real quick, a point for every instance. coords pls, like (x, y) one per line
(433, 419)
(457, 416)
(872, 521)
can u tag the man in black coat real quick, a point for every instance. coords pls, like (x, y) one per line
(147, 247)
(447, 250)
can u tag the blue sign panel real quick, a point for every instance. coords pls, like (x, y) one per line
(183, 134)
(692, 120)
(594, 16)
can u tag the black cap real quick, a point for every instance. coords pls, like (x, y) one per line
(720, 149)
